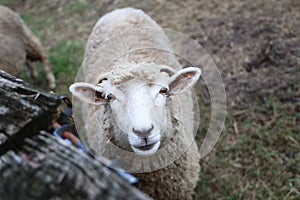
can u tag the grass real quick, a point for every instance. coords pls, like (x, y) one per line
(258, 155)
(67, 58)
(76, 7)
(263, 163)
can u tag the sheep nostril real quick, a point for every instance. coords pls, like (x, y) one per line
(146, 141)
(144, 132)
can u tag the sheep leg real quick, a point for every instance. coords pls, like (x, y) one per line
(32, 70)
(49, 73)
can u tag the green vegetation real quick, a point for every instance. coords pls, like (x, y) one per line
(67, 58)
(263, 161)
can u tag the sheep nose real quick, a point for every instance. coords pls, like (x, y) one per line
(143, 132)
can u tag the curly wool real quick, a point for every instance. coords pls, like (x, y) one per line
(148, 72)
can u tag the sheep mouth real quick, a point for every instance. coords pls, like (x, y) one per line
(145, 148)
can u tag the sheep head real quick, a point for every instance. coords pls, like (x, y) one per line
(137, 95)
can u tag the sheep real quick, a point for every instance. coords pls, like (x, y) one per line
(19, 47)
(136, 104)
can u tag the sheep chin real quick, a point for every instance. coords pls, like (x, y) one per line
(149, 152)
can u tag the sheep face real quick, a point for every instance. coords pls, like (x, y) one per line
(138, 105)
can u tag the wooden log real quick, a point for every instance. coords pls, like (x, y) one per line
(36, 165)
(47, 169)
(24, 110)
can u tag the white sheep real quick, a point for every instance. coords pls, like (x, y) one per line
(139, 106)
(19, 47)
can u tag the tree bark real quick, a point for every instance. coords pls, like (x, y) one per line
(36, 165)
(24, 110)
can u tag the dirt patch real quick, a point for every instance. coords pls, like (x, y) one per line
(256, 48)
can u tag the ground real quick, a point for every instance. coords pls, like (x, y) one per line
(256, 45)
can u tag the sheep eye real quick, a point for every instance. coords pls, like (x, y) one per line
(110, 97)
(163, 91)
(98, 94)
(101, 80)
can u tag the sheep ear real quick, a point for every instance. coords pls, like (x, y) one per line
(184, 79)
(88, 93)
